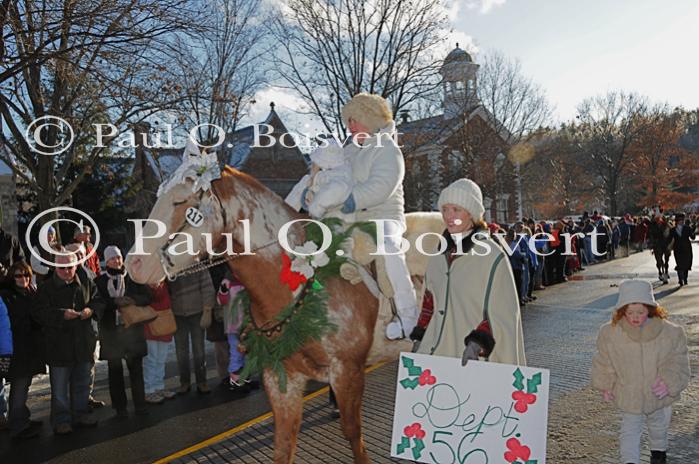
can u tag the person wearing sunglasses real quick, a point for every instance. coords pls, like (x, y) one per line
(27, 349)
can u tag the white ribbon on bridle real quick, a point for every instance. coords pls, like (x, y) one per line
(198, 165)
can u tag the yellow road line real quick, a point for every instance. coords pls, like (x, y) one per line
(250, 423)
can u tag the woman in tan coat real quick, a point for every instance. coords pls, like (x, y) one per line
(471, 287)
(641, 365)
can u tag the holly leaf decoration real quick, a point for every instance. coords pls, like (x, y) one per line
(532, 461)
(519, 379)
(417, 449)
(403, 445)
(533, 383)
(410, 383)
(410, 365)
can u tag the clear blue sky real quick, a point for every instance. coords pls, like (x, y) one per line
(580, 48)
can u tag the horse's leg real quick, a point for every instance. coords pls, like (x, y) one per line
(659, 263)
(287, 408)
(348, 385)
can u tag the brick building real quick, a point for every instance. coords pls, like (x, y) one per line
(463, 141)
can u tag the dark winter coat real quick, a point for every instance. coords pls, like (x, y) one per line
(117, 342)
(27, 338)
(682, 247)
(67, 341)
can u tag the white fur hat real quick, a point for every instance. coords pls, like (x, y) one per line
(111, 252)
(635, 291)
(465, 193)
(328, 157)
(369, 109)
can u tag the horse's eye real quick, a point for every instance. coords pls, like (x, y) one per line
(178, 203)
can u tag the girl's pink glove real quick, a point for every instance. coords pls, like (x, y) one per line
(223, 296)
(608, 396)
(660, 389)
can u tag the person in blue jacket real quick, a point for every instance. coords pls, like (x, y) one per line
(5, 355)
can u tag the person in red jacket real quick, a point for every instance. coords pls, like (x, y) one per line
(158, 349)
(83, 235)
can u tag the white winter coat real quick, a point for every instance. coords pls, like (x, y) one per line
(377, 170)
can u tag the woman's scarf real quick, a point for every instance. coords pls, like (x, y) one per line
(115, 282)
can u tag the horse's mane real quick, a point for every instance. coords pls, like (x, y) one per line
(228, 186)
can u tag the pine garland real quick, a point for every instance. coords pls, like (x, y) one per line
(302, 320)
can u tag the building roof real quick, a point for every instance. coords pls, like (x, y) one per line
(458, 55)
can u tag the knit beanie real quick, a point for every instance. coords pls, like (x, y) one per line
(369, 109)
(465, 193)
(111, 252)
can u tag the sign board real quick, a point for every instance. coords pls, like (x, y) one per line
(477, 414)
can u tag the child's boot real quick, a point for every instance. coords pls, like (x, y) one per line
(658, 457)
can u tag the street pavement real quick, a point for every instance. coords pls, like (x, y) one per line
(560, 331)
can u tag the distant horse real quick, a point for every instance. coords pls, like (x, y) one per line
(661, 246)
(338, 358)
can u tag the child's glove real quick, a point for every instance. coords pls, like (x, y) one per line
(316, 211)
(608, 396)
(223, 295)
(660, 389)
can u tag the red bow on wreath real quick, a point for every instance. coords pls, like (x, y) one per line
(289, 277)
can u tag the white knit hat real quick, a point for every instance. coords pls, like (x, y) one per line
(635, 291)
(465, 193)
(328, 157)
(111, 252)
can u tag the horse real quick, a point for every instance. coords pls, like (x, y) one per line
(339, 358)
(661, 247)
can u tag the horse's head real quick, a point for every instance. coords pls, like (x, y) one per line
(185, 223)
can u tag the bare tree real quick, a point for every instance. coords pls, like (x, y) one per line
(86, 62)
(608, 126)
(332, 50)
(222, 67)
(517, 104)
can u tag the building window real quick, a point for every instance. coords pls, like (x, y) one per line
(487, 204)
(501, 205)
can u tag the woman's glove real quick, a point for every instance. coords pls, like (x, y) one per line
(471, 353)
(205, 321)
(608, 396)
(660, 389)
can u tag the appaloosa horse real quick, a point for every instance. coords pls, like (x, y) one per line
(339, 358)
(661, 246)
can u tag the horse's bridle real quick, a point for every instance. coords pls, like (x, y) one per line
(166, 260)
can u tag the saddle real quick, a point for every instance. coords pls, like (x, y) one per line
(371, 270)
